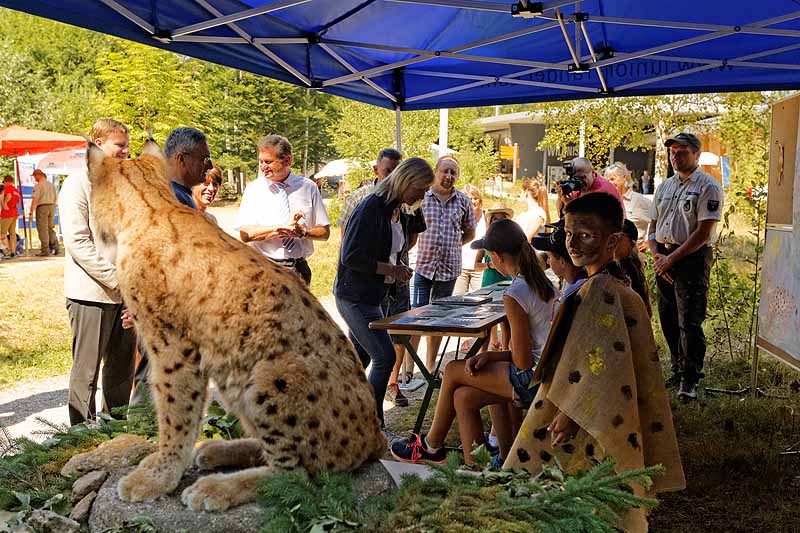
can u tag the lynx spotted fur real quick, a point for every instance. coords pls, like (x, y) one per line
(209, 307)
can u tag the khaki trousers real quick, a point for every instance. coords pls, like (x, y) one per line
(8, 228)
(45, 225)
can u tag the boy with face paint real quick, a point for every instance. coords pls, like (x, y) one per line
(602, 393)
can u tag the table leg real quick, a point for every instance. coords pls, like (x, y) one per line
(433, 382)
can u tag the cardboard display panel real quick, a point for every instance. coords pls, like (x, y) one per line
(782, 150)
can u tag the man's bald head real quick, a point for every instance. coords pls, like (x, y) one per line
(582, 165)
(584, 170)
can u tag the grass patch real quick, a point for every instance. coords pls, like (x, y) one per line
(34, 332)
(323, 265)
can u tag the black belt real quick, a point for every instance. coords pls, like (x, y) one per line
(290, 263)
(672, 247)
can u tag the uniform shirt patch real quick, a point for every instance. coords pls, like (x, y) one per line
(713, 205)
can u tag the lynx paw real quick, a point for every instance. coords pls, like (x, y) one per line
(154, 477)
(212, 493)
(241, 453)
(120, 452)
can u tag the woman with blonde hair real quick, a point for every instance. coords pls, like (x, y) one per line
(470, 278)
(637, 206)
(537, 212)
(369, 261)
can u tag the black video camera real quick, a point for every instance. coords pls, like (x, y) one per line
(572, 182)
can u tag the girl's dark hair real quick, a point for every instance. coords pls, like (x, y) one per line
(534, 276)
(506, 236)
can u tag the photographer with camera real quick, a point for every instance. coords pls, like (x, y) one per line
(582, 179)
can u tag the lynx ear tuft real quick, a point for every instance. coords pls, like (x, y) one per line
(94, 161)
(151, 148)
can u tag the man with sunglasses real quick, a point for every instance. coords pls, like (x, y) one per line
(282, 213)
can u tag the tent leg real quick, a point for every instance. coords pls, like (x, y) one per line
(398, 130)
(443, 125)
(27, 246)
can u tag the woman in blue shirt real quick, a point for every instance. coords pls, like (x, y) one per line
(369, 263)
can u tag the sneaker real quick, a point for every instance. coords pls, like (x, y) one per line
(673, 381)
(688, 391)
(43, 254)
(496, 463)
(394, 395)
(411, 450)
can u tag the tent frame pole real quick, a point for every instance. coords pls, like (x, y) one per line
(234, 17)
(27, 246)
(398, 131)
(128, 14)
(260, 47)
(351, 68)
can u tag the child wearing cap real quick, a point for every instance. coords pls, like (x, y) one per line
(602, 393)
(493, 378)
(554, 244)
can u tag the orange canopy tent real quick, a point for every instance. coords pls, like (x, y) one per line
(18, 140)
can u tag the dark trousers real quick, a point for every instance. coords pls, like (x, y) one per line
(141, 385)
(682, 309)
(375, 343)
(98, 336)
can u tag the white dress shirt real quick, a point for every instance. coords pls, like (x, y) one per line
(264, 204)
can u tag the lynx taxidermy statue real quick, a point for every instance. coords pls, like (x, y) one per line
(209, 307)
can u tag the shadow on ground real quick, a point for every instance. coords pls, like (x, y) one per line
(19, 409)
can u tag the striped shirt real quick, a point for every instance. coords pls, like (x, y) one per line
(439, 247)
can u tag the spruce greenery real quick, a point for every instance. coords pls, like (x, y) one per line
(456, 499)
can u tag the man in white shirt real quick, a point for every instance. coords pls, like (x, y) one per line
(282, 213)
(94, 302)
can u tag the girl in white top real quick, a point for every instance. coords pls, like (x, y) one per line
(537, 213)
(494, 378)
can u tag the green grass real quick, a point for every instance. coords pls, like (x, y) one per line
(34, 327)
(323, 265)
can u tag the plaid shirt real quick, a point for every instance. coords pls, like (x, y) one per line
(439, 247)
(352, 201)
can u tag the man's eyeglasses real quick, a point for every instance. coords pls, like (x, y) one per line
(206, 160)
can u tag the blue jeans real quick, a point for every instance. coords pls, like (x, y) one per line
(375, 344)
(426, 290)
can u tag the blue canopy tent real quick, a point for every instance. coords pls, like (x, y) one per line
(424, 54)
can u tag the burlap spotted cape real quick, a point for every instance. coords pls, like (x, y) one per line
(600, 367)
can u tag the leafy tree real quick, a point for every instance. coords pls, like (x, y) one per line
(363, 130)
(147, 88)
(625, 122)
